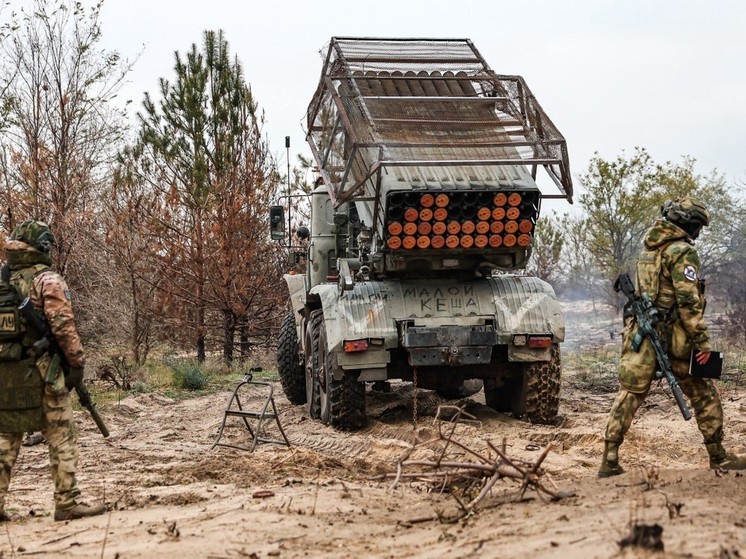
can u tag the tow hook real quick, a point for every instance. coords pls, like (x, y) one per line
(453, 354)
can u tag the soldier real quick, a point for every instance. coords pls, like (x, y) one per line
(40, 400)
(668, 271)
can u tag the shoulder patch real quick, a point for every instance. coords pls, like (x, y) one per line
(69, 296)
(690, 273)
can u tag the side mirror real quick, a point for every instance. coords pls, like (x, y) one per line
(277, 223)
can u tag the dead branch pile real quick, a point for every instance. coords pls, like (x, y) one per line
(466, 474)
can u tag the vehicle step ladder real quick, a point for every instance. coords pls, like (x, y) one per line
(248, 416)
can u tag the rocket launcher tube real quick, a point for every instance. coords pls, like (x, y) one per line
(440, 214)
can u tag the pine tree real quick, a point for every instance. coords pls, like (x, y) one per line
(213, 177)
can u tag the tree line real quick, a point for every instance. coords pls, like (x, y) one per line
(581, 254)
(161, 221)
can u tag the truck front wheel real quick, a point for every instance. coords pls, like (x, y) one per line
(289, 364)
(341, 402)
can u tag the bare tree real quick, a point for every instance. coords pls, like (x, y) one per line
(61, 127)
(127, 210)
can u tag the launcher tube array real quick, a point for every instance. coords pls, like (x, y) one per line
(460, 220)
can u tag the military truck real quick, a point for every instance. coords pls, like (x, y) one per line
(424, 216)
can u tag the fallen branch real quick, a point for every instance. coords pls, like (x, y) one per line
(55, 540)
(477, 473)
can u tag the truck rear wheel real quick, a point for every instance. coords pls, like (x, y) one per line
(341, 402)
(534, 396)
(539, 401)
(289, 364)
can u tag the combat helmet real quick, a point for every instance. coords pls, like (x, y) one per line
(688, 213)
(34, 233)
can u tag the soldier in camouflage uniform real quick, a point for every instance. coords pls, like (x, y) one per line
(668, 271)
(29, 270)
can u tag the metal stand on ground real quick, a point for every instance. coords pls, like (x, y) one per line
(246, 415)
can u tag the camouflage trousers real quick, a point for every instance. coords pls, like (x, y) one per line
(636, 373)
(59, 430)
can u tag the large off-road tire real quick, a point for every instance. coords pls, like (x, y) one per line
(540, 390)
(311, 363)
(341, 402)
(534, 395)
(467, 388)
(289, 363)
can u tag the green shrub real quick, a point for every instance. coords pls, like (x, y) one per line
(158, 374)
(187, 374)
(140, 387)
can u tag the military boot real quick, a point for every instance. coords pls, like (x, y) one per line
(79, 510)
(720, 459)
(610, 463)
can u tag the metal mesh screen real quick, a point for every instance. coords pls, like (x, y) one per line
(421, 102)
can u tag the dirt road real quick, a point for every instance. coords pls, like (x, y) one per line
(172, 497)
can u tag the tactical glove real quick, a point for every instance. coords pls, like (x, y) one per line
(74, 377)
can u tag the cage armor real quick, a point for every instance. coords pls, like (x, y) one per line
(21, 383)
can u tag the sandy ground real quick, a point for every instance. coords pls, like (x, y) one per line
(169, 495)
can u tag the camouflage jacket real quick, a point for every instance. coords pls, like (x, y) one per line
(48, 292)
(668, 271)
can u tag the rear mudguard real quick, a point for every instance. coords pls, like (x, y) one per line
(381, 311)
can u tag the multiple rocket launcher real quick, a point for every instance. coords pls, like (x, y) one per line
(429, 161)
(464, 220)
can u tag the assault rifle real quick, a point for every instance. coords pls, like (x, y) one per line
(647, 316)
(39, 324)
